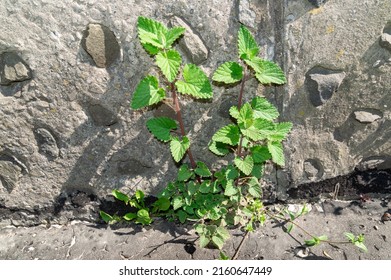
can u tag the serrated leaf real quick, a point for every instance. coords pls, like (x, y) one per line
(184, 173)
(267, 72)
(152, 50)
(247, 46)
(177, 202)
(161, 127)
(202, 170)
(280, 131)
(151, 32)
(106, 217)
(228, 73)
(130, 216)
(264, 109)
(246, 115)
(218, 241)
(232, 173)
(192, 188)
(120, 196)
(147, 93)
(230, 189)
(182, 216)
(254, 188)
(195, 83)
(169, 62)
(234, 112)
(143, 217)
(178, 147)
(173, 34)
(245, 165)
(228, 135)
(275, 149)
(154, 35)
(218, 148)
(260, 154)
(204, 241)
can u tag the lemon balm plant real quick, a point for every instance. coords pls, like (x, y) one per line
(213, 200)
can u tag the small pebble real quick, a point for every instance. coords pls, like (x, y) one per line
(376, 227)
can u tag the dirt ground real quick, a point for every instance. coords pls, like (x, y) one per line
(165, 240)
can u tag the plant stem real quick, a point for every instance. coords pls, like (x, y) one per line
(240, 246)
(242, 83)
(180, 121)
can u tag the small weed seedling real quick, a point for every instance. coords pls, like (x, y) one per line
(216, 200)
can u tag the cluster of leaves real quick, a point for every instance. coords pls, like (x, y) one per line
(190, 80)
(231, 196)
(141, 213)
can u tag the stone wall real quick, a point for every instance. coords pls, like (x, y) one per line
(68, 70)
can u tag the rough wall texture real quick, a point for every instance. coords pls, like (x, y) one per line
(68, 70)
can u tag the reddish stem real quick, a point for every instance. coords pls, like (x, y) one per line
(239, 151)
(180, 121)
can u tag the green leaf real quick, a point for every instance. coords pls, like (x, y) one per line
(229, 73)
(178, 147)
(246, 115)
(289, 229)
(184, 173)
(143, 217)
(218, 241)
(275, 149)
(195, 83)
(177, 202)
(223, 232)
(361, 246)
(173, 34)
(223, 256)
(205, 187)
(280, 131)
(257, 170)
(147, 93)
(130, 216)
(257, 129)
(106, 217)
(202, 170)
(162, 204)
(266, 72)
(247, 46)
(154, 35)
(312, 242)
(230, 189)
(254, 188)
(350, 236)
(234, 112)
(120, 196)
(152, 50)
(264, 109)
(218, 148)
(151, 32)
(182, 216)
(161, 127)
(192, 188)
(228, 135)
(245, 165)
(260, 154)
(139, 195)
(169, 62)
(204, 241)
(231, 173)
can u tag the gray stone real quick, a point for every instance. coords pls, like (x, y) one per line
(247, 15)
(313, 169)
(191, 42)
(101, 115)
(375, 162)
(131, 167)
(165, 110)
(366, 117)
(47, 143)
(385, 38)
(317, 3)
(101, 44)
(322, 83)
(9, 174)
(13, 69)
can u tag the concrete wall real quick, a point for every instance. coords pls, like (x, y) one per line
(68, 70)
